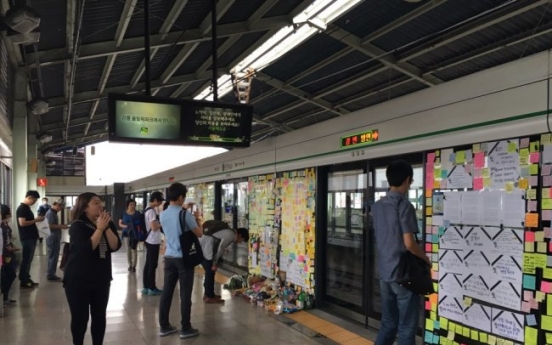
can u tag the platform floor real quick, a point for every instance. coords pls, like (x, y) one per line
(41, 316)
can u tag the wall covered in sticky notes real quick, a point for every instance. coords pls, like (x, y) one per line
(282, 226)
(492, 214)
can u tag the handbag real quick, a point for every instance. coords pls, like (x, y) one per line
(413, 272)
(192, 254)
(64, 255)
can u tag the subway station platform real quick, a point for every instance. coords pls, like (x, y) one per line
(41, 316)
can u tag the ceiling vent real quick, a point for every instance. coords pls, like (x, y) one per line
(44, 137)
(22, 18)
(39, 106)
(50, 163)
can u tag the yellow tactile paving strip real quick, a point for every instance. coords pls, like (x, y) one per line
(328, 329)
(317, 324)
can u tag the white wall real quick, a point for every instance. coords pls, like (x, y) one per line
(497, 95)
(72, 185)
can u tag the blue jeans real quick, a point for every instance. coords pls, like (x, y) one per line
(54, 243)
(400, 313)
(29, 246)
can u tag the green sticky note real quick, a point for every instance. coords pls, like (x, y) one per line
(459, 329)
(524, 153)
(450, 335)
(444, 322)
(492, 340)
(429, 325)
(466, 332)
(546, 322)
(546, 204)
(483, 338)
(460, 157)
(512, 147)
(531, 335)
(474, 335)
(534, 169)
(541, 247)
(548, 338)
(539, 236)
(452, 326)
(547, 274)
(531, 194)
(534, 146)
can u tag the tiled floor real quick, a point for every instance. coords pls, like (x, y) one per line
(41, 316)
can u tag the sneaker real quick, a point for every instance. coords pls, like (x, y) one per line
(32, 282)
(145, 291)
(213, 300)
(163, 332)
(191, 332)
(205, 297)
(54, 279)
(27, 285)
(155, 292)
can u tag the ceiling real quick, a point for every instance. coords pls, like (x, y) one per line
(377, 51)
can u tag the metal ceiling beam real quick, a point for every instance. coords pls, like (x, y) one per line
(497, 46)
(69, 37)
(129, 45)
(349, 81)
(506, 12)
(76, 139)
(76, 122)
(289, 122)
(283, 110)
(378, 54)
(89, 96)
(91, 116)
(373, 91)
(175, 12)
(299, 93)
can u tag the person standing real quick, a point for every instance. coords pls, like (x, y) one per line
(44, 208)
(213, 247)
(395, 226)
(129, 220)
(28, 234)
(175, 270)
(53, 241)
(88, 273)
(153, 242)
(8, 255)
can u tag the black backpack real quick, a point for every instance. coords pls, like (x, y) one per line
(211, 227)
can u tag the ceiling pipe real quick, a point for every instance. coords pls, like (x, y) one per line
(73, 69)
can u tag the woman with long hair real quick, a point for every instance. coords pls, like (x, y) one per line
(130, 219)
(87, 278)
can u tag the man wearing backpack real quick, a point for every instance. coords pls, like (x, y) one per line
(153, 241)
(217, 237)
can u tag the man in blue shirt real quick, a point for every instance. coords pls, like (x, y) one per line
(395, 226)
(175, 270)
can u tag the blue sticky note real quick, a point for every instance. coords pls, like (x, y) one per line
(435, 257)
(452, 157)
(435, 339)
(531, 320)
(429, 337)
(529, 282)
(429, 238)
(444, 173)
(441, 230)
(437, 325)
(435, 238)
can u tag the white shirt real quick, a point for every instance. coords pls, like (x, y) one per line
(226, 237)
(154, 236)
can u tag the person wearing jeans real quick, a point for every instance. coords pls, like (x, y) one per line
(53, 241)
(9, 265)
(28, 234)
(175, 271)
(153, 241)
(395, 225)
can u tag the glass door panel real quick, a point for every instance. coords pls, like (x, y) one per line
(345, 245)
(227, 206)
(242, 211)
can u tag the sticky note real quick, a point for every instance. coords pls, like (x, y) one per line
(530, 336)
(443, 321)
(474, 335)
(539, 236)
(531, 320)
(450, 335)
(529, 247)
(546, 170)
(529, 236)
(524, 153)
(486, 172)
(534, 169)
(529, 282)
(525, 307)
(527, 295)
(479, 160)
(509, 187)
(523, 184)
(548, 338)
(546, 214)
(532, 220)
(512, 147)
(541, 247)
(539, 296)
(546, 204)
(459, 329)
(531, 194)
(429, 325)
(546, 322)
(483, 337)
(492, 340)
(468, 301)
(534, 157)
(547, 273)
(478, 183)
(549, 305)
(476, 147)
(534, 146)
(466, 332)
(460, 157)
(428, 337)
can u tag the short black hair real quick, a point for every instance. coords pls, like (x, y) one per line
(129, 201)
(175, 191)
(156, 196)
(32, 194)
(398, 171)
(44, 199)
(6, 211)
(244, 233)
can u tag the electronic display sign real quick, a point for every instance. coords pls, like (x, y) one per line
(363, 138)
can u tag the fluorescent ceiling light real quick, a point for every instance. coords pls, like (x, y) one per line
(116, 162)
(312, 20)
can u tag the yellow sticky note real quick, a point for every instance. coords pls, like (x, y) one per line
(534, 169)
(508, 342)
(531, 194)
(435, 266)
(548, 335)
(468, 301)
(530, 336)
(487, 182)
(477, 147)
(549, 305)
(460, 157)
(466, 332)
(524, 153)
(546, 322)
(483, 338)
(540, 296)
(474, 335)
(436, 184)
(429, 325)
(530, 247)
(547, 204)
(534, 146)
(459, 329)
(429, 221)
(443, 322)
(437, 172)
(433, 315)
(523, 183)
(486, 172)
(545, 140)
(539, 236)
(541, 247)
(547, 274)
(509, 187)
(452, 326)
(492, 340)
(512, 147)
(450, 335)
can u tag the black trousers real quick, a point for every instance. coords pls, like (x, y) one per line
(175, 271)
(8, 275)
(152, 258)
(209, 282)
(84, 301)
(29, 246)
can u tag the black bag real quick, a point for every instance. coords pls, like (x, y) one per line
(211, 227)
(64, 255)
(415, 274)
(189, 243)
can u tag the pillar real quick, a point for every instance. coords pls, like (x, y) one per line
(32, 149)
(119, 205)
(20, 138)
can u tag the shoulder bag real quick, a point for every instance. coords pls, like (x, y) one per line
(189, 243)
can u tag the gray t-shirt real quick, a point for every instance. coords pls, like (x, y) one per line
(393, 216)
(52, 218)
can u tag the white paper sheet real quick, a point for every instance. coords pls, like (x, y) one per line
(471, 208)
(449, 283)
(478, 316)
(451, 307)
(507, 324)
(504, 165)
(506, 294)
(450, 261)
(459, 178)
(476, 286)
(491, 213)
(507, 241)
(452, 208)
(513, 209)
(452, 238)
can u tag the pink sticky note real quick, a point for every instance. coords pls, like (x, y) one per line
(301, 258)
(525, 307)
(534, 157)
(477, 172)
(434, 275)
(534, 181)
(478, 183)
(531, 205)
(431, 157)
(546, 287)
(428, 305)
(546, 214)
(527, 295)
(547, 181)
(550, 246)
(479, 159)
(534, 304)
(428, 248)
(546, 170)
(547, 232)
(529, 236)
(435, 230)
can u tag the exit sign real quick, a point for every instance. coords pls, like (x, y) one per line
(363, 138)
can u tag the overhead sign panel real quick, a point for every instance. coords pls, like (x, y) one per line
(364, 138)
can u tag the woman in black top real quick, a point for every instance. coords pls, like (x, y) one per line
(87, 278)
